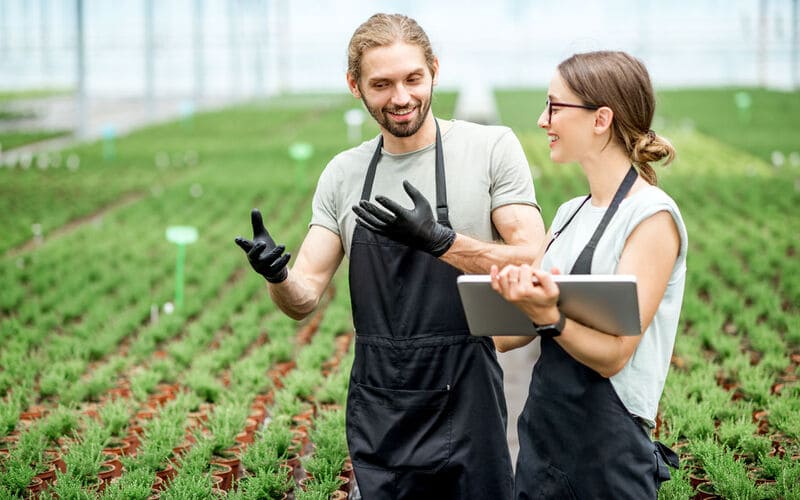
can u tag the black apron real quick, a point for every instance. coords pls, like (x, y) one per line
(426, 414)
(577, 439)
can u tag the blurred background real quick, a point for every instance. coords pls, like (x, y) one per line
(170, 58)
(256, 47)
(123, 120)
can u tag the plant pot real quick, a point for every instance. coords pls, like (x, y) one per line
(49, 474)
(231, 459)
(107, 472)
(182, 448)
(35, 487)
(697, 477)
(347, 470)
(224, 472)
(345, 486)
(244, 439)
(117, 447)
(158, 484)
(705, 491)
(34, 412)
(114, 461)
(167, 473)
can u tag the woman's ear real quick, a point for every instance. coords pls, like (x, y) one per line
(352, 84)
(602, 119)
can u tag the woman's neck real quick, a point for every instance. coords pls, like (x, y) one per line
(605, 173)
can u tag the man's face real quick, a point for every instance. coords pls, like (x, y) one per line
(396, 87)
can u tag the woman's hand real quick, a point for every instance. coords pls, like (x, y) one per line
(530, 289)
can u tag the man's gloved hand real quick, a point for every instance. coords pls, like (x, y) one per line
(416, 228)
(265, 257)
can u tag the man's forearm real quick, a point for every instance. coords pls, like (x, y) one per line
(476, 257)
(294, 297)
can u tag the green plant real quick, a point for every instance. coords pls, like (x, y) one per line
(278, 436)
(319, 489)
(286, 404)
(133, 485)
(204, 385)
(323, 466)
(224, 424)
(115, 416)
(260, 454)
(31, 446)
(188, 487)
(678, 487)
(334, 388)
(143, 383)
(69, 486)
(85, 458)
(9, 415)
(267, 483)
(302, 382)
(60, 422)
(16, 476)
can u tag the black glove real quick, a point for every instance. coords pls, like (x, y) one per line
(416, 228)
(265, 257)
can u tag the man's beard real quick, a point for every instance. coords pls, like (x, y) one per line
(405, 129)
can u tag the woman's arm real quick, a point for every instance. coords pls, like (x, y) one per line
(649, 254)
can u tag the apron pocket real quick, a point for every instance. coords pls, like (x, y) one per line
(399, 429)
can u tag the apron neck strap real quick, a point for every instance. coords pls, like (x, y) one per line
(583, 264)
(441, 186)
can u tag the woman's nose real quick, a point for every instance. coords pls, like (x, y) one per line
(543, 121)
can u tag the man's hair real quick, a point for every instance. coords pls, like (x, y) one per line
(382, 30)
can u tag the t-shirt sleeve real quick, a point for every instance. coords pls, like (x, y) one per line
(511, 175)
(646, 209)
(324, 209)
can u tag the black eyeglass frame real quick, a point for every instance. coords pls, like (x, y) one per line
(549, 104)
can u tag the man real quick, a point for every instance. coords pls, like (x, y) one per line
(426, 414)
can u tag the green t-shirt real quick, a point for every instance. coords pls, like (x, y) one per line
(485, 168)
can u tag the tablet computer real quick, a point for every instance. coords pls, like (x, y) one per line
(605, 302)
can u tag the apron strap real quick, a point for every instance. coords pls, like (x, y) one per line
(442, 215)
(583, 264)
(366, 191)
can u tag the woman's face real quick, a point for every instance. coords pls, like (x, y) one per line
(570, 130)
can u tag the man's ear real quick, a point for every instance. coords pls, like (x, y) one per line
(352, 84)
(602, 119)
(435, 70)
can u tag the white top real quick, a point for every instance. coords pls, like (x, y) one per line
(485, 168)
(640, 383)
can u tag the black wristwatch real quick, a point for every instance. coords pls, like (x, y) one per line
(553, 329)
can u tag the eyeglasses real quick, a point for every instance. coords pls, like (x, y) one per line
(549, 104)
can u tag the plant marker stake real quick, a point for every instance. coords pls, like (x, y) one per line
(354, 118)
(300, 152)
(109, 134)
(743, 103)
(181, 236)
(187, 114)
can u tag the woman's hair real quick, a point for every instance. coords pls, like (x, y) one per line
(382, 30)
(621, 82)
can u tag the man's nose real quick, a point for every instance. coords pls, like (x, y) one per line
(400, 95)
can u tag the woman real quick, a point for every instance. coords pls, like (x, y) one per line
(584, 432)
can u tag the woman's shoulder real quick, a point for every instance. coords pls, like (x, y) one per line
(650, 197)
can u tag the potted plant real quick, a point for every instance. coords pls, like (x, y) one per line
(266, 483)
(134, 484)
